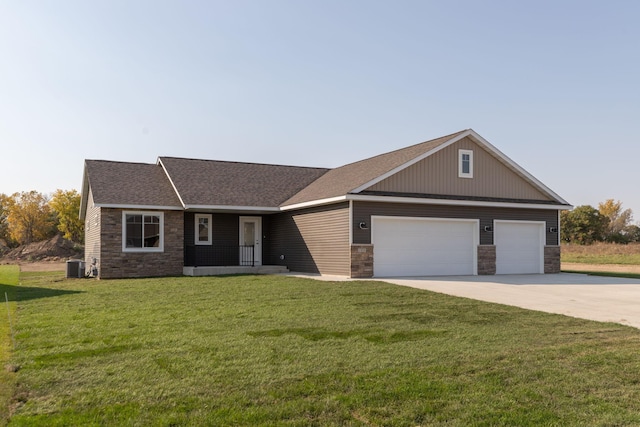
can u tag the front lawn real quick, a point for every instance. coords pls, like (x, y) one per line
(255, 350)
(9, 279)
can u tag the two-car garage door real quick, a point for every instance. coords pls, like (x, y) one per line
(423, 246)
(407, 246)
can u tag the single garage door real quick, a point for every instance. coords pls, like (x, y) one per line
(519, 247)
(423, 246)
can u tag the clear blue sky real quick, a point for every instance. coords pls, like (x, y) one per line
(555, 85)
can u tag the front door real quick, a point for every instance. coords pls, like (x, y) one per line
(250, 240)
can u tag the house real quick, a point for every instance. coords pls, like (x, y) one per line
(454, 205)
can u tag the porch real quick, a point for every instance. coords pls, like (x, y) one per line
(217, 260)
(239, 269)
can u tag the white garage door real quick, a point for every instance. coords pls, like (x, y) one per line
(519, 247)
(423, 246)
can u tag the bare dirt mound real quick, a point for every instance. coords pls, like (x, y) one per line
(55, 249)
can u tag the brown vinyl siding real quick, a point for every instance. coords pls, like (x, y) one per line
(362, 211)
(92, 224)
(438, 174)
(314, 240)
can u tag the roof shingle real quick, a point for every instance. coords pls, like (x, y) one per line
(220, 183)
(134, 184)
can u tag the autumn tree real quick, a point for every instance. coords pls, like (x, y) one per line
(29, 217)
(66, 206)
(583, 225)
(619, 221)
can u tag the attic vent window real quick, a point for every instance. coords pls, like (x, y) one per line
(465, 164)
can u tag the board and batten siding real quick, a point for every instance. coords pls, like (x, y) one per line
(225, 235)
(362, 211)
(438, 174)
(224, 228)
(314, 240)
(92, 224)
(225, 232)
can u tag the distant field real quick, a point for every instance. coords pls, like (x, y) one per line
(602, 253)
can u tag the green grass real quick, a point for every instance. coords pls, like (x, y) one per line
(605, 274)
(254, 350)
(9, 276)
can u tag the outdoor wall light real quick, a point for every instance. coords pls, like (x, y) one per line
(553, 229)
(488, 229)
(363, 225)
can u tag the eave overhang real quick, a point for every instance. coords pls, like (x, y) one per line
(233, 209)
(138, 207)
(429, 201)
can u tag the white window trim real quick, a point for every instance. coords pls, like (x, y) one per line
(197, 231)
(160, 248)
(461, 154)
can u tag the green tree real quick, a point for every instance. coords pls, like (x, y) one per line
(617, 230)
(633, 233)
(66, 206)
(29, 217)
(4, 222)
(583, 225)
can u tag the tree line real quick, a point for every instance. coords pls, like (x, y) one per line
(611, 223)
(31, 216)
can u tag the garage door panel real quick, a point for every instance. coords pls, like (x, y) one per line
(418, 247)
(519, 247)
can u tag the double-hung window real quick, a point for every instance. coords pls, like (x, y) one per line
(142, 232)
(203, 229)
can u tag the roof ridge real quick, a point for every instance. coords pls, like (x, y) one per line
(243, 163)
(120, 162)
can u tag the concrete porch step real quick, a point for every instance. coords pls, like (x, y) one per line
(219, 271)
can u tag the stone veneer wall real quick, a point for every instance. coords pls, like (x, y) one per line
(361, 261)
(116, 264)
(551, 259)
(486, 260)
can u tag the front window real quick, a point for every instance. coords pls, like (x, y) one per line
(465, 164)
(203, 229)
(142, 232)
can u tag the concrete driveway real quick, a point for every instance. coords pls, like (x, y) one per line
(604, 299)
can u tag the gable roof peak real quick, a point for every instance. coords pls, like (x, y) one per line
(353, 177)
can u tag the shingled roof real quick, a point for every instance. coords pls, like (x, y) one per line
(345, 179)
(210, 183)
(129, 184)
(180, 183)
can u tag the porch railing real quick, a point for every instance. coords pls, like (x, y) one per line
(218, 256)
